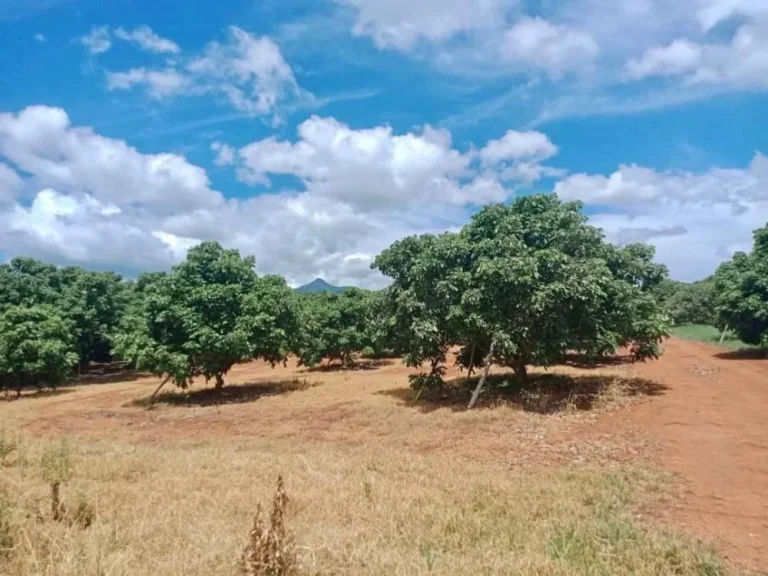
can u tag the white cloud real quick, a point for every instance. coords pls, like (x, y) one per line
(371, 168)
(98, 40)
(679, 57)
(10, 183)
(78, 229)
(103, 203)
(468, 35)
(41, 141)
(555, 48)
(636, 185)
(741, 62)
(700, 55)
(146, 39)
(401, 24)
(249, 70)
(160, 83)
(225, 154)
(711, 214)
(516, 145)
(39, 37)
(712, 12)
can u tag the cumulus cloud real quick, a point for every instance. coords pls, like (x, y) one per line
(738, 59)
(146, 39)
(98, 40)
(637, 186)
(41, 141)
(555, 48)
(679, 57)
(371, 168)
(101, 202)
(712, 214)
(741, 62)
(39, 37)
(516, 145)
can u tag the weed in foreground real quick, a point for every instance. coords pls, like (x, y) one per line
(56, 465)
(270, 550)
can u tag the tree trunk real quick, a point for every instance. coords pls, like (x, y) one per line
(471, 360)
(219, 382)
(154, 394)
(521, 372)
(479, 389)
(722, 337)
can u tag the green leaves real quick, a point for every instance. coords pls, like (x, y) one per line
(531, 276)
(340, 326)
(741, 292)
(36, 347)
(209, 314)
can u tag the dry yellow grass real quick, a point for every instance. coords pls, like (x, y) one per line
(376, 485)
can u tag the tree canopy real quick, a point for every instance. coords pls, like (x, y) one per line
(94, 302)
(686, 303)
(211, 312)
(36, 347)
(338, 326)
(741, 292)
(523, 284)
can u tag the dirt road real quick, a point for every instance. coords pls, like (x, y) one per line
(712, 426)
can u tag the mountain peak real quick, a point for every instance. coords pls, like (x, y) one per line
(319, 285)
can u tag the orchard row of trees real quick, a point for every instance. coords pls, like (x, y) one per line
(208, 314)
(520, 285)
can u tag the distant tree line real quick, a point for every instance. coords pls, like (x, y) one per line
(689, 303)
(520, 285)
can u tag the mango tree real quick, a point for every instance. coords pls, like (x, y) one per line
(524, 283)
(36, 348)
(741, 292)
(210, 313)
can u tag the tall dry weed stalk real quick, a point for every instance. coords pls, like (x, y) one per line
(270, 550)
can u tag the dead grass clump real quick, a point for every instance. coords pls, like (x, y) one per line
(7, 539)
(270, 550)
(56, 466)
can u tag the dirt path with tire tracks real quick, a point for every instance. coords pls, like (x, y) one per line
(712, 426)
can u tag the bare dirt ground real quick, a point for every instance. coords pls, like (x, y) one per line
(700, 412)
(712, 428)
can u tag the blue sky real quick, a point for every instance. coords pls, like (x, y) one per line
(314, 133)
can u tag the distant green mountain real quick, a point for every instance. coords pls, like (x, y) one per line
(320, 285)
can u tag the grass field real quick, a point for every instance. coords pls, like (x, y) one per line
(376, 483)
(709, 334)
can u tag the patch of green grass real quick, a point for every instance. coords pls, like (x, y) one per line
(709, 334)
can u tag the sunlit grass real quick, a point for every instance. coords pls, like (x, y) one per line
(187, 509)
(709, 334)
